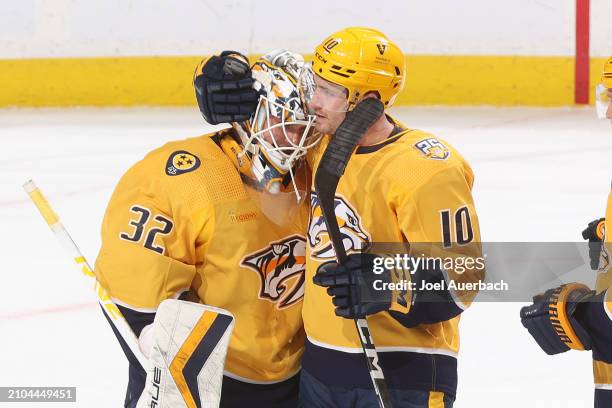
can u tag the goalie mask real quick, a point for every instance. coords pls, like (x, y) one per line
(280, 131)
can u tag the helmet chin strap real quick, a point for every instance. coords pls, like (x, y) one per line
(298, 197)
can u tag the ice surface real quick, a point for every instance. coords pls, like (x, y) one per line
(541, 174)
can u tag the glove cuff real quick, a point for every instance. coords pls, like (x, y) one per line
(563, 303)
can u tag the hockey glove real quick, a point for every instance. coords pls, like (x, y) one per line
(594, 232)
(355, 289)
(551, 321)
(224, 88)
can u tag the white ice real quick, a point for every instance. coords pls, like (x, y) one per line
(541, 174)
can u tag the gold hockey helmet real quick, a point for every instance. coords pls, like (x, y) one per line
(361, 60)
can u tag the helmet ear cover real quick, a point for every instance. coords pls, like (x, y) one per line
(362, 60)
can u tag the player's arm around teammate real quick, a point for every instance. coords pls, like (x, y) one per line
(382, 202)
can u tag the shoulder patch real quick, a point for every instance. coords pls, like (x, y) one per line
(432, 148)
(181, 162)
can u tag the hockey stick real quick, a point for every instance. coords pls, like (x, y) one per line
(109, 308)
(331, 168)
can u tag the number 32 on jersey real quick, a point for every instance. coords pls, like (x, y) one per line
(160, 226)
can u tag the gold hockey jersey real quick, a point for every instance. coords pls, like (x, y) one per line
(602, 359)
(410, 188)
(183, 219)
(604, 278)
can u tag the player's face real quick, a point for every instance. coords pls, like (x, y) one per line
(329, 104)
(276, 134)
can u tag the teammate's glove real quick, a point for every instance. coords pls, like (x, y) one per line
(551, 321)
(352, 286)
(224, 88)
(594, 232)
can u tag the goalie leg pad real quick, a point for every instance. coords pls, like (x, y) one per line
(190, 343)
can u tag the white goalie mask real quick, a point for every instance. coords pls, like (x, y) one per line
(280, 131)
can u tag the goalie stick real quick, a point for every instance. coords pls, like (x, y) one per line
(112, 313)
(331, 168)
(188, 344)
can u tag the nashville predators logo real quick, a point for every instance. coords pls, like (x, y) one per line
(354, 237)
(181, 162)
(281, 267)
(432, 148)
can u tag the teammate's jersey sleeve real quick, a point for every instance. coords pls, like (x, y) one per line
(149, 235)
(604, 274)
(599, 320)
(596, 317)
(439, 221)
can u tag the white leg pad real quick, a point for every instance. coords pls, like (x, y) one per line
(187, 358)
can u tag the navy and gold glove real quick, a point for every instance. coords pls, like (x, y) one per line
(224, 88)
(356, 290)
(552, 322)
(594, 232)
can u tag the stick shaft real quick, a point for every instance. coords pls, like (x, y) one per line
(115, 317)
(363, 330)
(330, 170)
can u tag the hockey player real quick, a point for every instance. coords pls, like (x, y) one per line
(401, 186)
(572, 316)
(215, 219)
